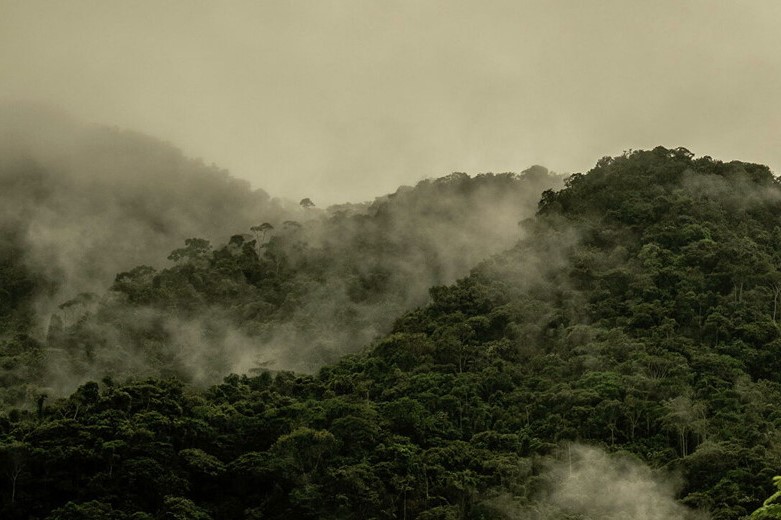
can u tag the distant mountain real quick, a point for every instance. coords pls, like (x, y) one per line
(79, 203)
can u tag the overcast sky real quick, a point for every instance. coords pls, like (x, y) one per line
(345, 100)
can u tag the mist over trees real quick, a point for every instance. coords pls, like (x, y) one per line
(79, 203)
(293, 295)
(260, 282)
(614, 356)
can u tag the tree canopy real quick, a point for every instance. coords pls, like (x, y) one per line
(638, 314)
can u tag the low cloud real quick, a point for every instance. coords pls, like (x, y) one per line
(588, 483)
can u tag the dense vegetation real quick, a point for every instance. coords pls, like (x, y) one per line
(293, 295)
(639, 313)
(79, 203)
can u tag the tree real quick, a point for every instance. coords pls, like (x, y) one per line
(93, 510)
(306, 448)
(13, 455)
(136, 283)
(180, 508)
(260, 233)
(200, 462)
(196, 249)
(771, 508)
(306, 203)
(775, 286)
(684, 416)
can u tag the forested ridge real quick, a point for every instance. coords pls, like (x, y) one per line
(252, 281)
(637, 316)
(79, 203)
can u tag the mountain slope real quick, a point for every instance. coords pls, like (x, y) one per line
(79, 203)
(638, 314)
(294, 295)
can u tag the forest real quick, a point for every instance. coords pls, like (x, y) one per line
(502, 346)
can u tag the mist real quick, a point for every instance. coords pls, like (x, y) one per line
(589, 483)
(597, 485)
(85, 202)
(341, 102)
(82, 204)
(331, 259)
(302, 294)
(350, 99)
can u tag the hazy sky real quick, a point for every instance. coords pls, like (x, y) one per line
(344, 100)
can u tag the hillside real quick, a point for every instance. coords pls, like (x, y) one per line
(79, 203)
(291, 295)
(620, 361)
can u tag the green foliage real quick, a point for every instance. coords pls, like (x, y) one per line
(321, 288)
(771, 508)
(639, 313)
